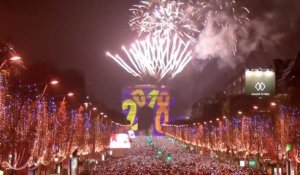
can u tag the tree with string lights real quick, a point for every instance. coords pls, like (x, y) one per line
(41, 150)
(79, 132)
(20, 130)
(61, 132)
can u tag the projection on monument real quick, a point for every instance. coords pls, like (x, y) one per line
(146, 107)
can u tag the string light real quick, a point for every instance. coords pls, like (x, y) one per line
(252, 135)
(47, 127)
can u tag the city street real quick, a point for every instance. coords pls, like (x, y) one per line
(150, 87)
(166, 156)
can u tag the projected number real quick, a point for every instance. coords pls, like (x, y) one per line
(163, 101)
(158, 101)
(130, 105)
(139, 97)
(153, 96)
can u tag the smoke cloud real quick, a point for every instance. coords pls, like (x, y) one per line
(272, 25)
(217, 41)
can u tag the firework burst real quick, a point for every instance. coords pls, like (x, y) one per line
(170, 26)
(183, 17)
(156, 57)
(230, 7)
(163, 18)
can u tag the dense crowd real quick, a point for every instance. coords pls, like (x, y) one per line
(143, 159)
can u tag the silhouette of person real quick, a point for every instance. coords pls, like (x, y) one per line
(145, 119)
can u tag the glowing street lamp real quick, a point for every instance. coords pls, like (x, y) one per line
(53, 82)
(13, 59)
(255, 107)
(70, 94)
(240, 112)
(94, 109)
(273, 104)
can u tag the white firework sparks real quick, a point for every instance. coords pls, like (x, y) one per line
(231, 7)
(155, 57)
(170, 26)
(163, 18)
(188, 18)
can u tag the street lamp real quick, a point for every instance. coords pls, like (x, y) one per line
(255, 107)
(53, 82)
(273, 104)
(70, 94)
(13, 59)
(7, 53)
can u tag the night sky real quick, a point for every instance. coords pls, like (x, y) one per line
(77, 33)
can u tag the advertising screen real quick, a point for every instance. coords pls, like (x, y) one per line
(260, 82)
(146, 107)
(119, 141)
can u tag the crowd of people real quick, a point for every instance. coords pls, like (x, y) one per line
(161, 156)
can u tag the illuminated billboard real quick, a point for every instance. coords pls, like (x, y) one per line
(119, 141)
(146, 107)
(260, 82)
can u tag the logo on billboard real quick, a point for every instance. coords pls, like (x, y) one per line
(260, 86)
(260, 82)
